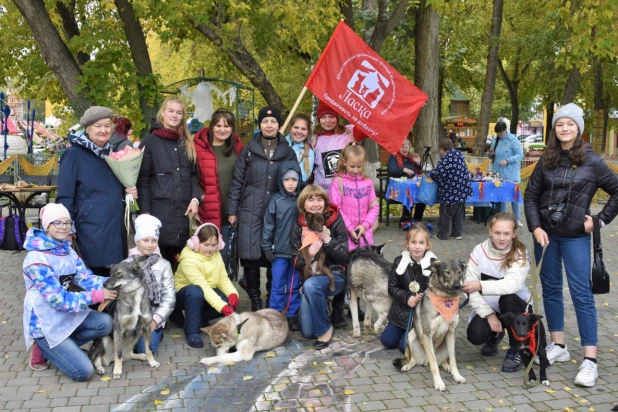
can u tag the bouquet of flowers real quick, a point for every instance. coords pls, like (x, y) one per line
(126, 164)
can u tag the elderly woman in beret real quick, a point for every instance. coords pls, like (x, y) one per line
(93, 195)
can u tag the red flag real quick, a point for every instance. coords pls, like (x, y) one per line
(356, 82)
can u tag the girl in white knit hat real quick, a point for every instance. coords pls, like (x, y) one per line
(158, 274)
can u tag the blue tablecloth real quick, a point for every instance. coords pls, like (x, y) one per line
(484, 193)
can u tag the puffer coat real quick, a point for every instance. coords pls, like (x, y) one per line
(583, 180)
(509, 149)
(255, 181)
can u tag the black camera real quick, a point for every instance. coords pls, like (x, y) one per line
(427, 149)
(558, 214)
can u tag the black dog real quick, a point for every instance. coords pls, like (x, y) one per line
(529, 330)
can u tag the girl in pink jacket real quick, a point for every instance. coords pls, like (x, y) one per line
(354, 194)
(329, 140)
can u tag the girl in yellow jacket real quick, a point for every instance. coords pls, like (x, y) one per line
(203, 289)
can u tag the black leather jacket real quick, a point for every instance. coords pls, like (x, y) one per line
(583, 182)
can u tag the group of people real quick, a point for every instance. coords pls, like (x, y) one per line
(266, 191)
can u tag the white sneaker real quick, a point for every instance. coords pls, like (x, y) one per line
(520, 224)
(556, 354)
(588, 374)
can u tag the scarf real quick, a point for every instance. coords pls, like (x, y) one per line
(307, 237)
(530, 335)
(154, 289)
(447, 307)
(81, 139)
(401, 158)
(168, 134)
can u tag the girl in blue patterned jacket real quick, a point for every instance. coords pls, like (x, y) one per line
(59, 289)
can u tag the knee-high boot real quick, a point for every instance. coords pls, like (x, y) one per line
(252, 281)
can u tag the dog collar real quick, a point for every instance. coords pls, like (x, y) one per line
(240, 326)
(530, 335)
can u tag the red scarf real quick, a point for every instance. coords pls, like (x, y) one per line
(168, 134)
(530, 335)
(401, 158)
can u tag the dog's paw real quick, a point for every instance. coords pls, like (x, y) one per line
(154, 364)
(545, 383)
(357, 332)
(101, 371)
(116, 375)
(446, 366)
(458, 378)
(205, 361)
(439, 385)
(399, 363)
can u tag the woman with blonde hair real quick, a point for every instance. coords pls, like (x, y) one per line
(167, 182)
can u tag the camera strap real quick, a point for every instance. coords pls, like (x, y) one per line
(551, 193)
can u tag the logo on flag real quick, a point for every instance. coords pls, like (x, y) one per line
(356, 82)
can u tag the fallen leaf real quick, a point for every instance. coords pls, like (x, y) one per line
(320, 372)
(568, 410)
(229, 363)
(6, 356)
(494, 369)
(329, 363)
(566, 388)
(315, 363)
(213, 368)
(550, 391)
(41, 391)
(165, 392)
(504, 347)
(4, 322)
(604, 304)
(175, 336)
(573, 360)
(576, 395)
(501, 401)
(489, 409)
(591, 410)
(575, 338)
(364, 403)
(584, 401)
(611, 350)
(270, 355)
(348, 392)
(105, 379)
(157, 403)
(247, 378)
(470, 367)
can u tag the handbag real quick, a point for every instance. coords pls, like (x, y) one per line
(231, 259)
(427, 192)
(599, 277)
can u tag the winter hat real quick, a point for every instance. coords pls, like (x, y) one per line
(52, 212)
(291, 174)
(147, 226)
(570, 111)
(193, 242)
(324, 109)
(269, 111)
(94, 114)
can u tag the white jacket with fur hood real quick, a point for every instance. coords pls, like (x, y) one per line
(485, 260)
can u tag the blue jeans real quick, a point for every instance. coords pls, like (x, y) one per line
(67, 355)
(393, 337)
(286, 283)
(515, 206)
(157, 336)
(575, 253)
(197, 310)
(314, 319)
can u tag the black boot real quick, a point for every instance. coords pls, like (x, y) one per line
(252, 281)
(361, 314)
(337, 319)
(269, 285)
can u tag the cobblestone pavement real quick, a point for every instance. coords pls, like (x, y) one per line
(351, 375)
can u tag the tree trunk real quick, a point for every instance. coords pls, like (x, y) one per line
(513, 88)
(244, 61)
(571, 87)
(71, 28)
(427, 77)
(55, 52)
(549, 108)
(598, 137)
(347, 10)
(490, 78)
(141, 58)
(385, 24)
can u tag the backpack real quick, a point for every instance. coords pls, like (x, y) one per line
(12, 233)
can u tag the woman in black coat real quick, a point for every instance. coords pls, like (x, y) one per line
(167, 182)
(255, 181)
(92, 194)
(314, 320)
(405, 165)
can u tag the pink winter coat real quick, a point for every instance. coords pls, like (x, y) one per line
(358, 204)
(328, 148)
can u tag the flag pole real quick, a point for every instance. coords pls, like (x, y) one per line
(291, 114)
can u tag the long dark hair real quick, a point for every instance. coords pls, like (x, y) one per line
(577, 154)
(229, 118)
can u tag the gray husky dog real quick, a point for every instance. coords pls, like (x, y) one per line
(368, 279)
(249, 332)
(432, 341)
(132, 316)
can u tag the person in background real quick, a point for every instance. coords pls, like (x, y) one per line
(300, 126)
(406, 164)
(506, 154)
(120, 135)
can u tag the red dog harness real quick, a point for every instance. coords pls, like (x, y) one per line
(529, 336)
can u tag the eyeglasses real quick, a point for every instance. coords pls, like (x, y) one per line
(61, 225)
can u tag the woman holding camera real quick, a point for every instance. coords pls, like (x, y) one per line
(557, 208)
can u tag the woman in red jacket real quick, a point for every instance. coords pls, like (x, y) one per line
(217, 150)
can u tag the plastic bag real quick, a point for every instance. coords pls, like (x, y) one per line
(427, 192)
(231, 260)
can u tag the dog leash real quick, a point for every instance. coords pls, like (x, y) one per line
(536, 273)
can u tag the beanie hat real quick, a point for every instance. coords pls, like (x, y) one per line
(94, 114)
(291, 174)
(147, 226)
(193, 242)
(324, 109)
(570, 111)
(52, 212)
(269, 111)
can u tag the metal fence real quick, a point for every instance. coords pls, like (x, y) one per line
(37, 159)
